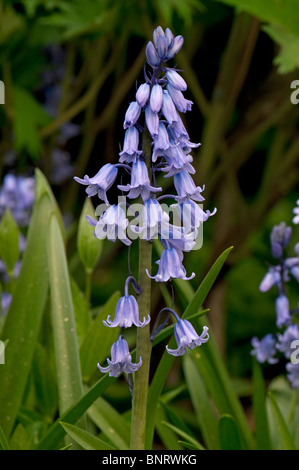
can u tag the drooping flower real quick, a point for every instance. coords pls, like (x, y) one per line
(186, 337)
(140, 182)
(132, 114)
(126, 314)
(130, 150)
(111, 225)
(285, 340)
(279, 238)
(264, 349)
(186, 188)
(101, 182)
(150, 220)
(170, 266)
(293, 374)
(121, 359)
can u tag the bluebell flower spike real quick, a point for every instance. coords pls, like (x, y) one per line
(121, 360)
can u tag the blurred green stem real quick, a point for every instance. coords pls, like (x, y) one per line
(88, 278)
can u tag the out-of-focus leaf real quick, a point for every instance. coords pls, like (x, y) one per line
(284, 13)
(286, 441)
(287, 59)
(68, 368)
(44, 382)
(3, 441)
(28, 117)
(11, 23)
(23, 320)
(98, 340)
(201, 403)
(81, 311)
(19, 439)
(89, 247)
(259, 409)
(229, 435)
(186, 436)
(9, 241)
(86, 440)
(111, 423)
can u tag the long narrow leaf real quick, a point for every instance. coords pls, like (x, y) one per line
(229, 436)
(86, 440)
(286, 440)
(259, 408)
(68, 368)
(166, 361)
(24, 317)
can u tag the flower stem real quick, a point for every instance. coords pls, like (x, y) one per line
(143, 350)
(143, 346)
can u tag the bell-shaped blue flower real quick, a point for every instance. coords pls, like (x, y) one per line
(143, 94)
(286, 339)
(132, 114)
(130, 151)
(175, 80)
(186, 188)
(140, 182)
(121, 360)
(170, 266)
(187, 337)
(169, 109)
(279, 238)
(180, 102)
(126, 314)
(156, 98)
(101, 182)
(111, 225)
(150, 220)
(282, 308)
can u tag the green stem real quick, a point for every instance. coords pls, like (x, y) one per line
(143, 346)
(88, 285)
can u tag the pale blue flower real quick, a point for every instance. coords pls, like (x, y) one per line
(186, 188)
(170, 266)
(156, 98)
(295, 219)
(186, 337)
(175, 80)
(121, 360)
(293, 374)
(169, 109)
(181, 103)
(112, 225)
(152, 122)
(175, 47)
(279, 238)
(264, 349)
(130, 150)
(150, 219)
(271, 278)
(101, 182)
(126, 314)
(151, 55)
(140, 182)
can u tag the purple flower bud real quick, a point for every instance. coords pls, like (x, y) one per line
(161, 142)
(168, 109)
(157, 32)
(121, 360)
(156, 98)
(279, 238)
(282, 310)
(270, 279)
(286, 339)
(132, 114)
(162, 47)
(293, 370)
(151, 55)
(295, 219)
(175, 80)
(176, 46)
(169, 36)
(142, 94)
(152, 122)
(186, 337)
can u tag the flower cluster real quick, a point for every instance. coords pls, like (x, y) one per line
(153, 121)
(286, 341)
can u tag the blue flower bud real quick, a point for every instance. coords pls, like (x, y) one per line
(156, 98)
(142, 94)
(175, 80)
(151, 55)
(132, 114)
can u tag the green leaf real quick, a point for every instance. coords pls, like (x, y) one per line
(286, 441)
(287, 59)
(229, 435)
(259, 408)
(111, 423)
(166, 362)
(89, 247)
(168, 436)
(20, 439)
(81, 311)
(98, 340)
(201, 404)
(186, 436)
(28, 117)
(63, 321)
(3, 441)
(84, 438)
(9, 241)
(284, 13)
(53, 437)
(44, 382)
(23, 320)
